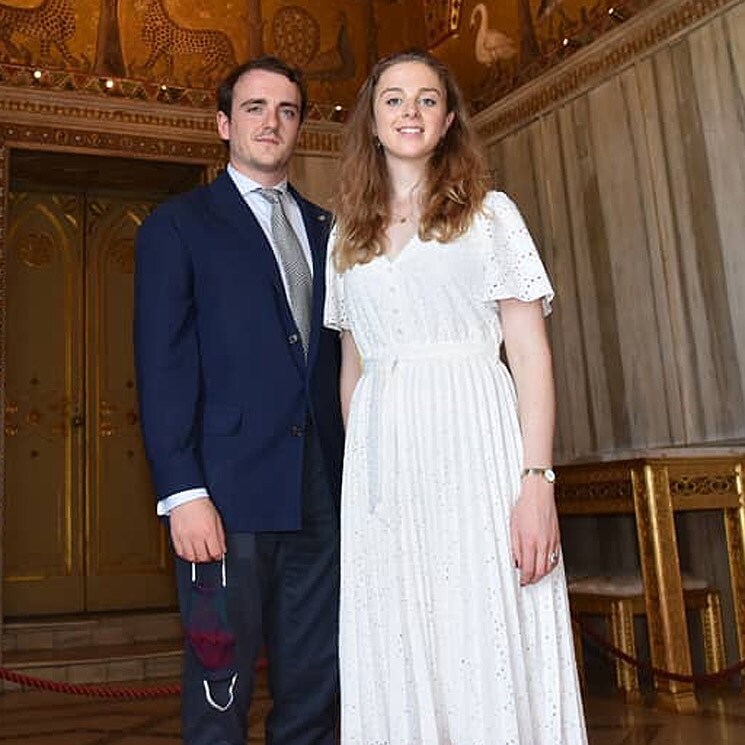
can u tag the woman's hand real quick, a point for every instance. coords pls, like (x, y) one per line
(535, 530)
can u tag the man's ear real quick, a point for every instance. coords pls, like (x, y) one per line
(223, 126)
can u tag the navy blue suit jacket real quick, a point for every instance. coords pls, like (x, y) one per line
(224, 387)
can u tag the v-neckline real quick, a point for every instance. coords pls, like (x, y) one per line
(391, 260)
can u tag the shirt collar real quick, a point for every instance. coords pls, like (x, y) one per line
(246, 185)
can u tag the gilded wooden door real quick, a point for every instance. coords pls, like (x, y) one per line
(80, 527)
(45, 399)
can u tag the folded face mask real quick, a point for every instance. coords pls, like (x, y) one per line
(209, 634)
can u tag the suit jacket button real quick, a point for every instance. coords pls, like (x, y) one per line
(292, 338)
(297, 431)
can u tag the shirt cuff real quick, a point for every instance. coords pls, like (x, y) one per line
(182, 497)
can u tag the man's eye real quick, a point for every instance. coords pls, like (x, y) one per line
(289, 113)
(255, 109)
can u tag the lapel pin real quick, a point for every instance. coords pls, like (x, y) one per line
(322, 218)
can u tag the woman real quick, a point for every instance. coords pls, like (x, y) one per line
(454, 618)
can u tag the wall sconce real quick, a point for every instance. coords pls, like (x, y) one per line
(616, 14)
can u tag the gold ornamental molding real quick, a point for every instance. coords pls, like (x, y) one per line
(41, 79)
(582, 489)
(642, 34)
(130, 127)
(42, 106)
(320, 139)
(112, 143)
(126, 145)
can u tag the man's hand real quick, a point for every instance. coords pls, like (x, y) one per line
(197, 532)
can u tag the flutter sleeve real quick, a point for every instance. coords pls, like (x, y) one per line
(334, 311)
(513, 267)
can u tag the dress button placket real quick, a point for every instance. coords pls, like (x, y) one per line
(395, 310)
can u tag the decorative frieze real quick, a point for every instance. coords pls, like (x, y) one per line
(636, 38)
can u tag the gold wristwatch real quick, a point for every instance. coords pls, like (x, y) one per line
(548, 473)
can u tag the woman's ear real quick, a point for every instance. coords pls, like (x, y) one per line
(448, 121)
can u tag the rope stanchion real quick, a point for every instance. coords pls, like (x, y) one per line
(97, 691)
(702, 679)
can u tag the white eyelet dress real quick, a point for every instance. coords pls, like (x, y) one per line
(439, 645)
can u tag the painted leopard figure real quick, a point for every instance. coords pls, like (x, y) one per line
(52, 23)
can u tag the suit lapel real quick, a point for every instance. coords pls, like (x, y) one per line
(230, 205)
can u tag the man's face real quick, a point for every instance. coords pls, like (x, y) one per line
(263, 125)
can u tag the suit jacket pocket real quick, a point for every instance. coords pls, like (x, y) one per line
(221, 419)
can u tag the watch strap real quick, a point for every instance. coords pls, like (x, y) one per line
(547, 473)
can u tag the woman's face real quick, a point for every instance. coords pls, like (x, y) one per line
(409, 111)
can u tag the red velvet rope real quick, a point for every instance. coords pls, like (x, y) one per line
(78, 689)
(28, 681)
(703, 679)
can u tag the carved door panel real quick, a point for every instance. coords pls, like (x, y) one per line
(127, 555)
(80, 529)
(44, 436)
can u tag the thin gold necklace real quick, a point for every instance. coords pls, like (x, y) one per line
(401, 219)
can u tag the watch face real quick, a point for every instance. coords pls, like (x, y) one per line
(550, 475)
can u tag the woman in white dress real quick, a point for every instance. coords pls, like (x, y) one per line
(455, 626)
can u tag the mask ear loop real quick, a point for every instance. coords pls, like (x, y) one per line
(234, 679)
(223, 572)
(231, 697)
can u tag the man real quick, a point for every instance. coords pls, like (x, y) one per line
(238, 386)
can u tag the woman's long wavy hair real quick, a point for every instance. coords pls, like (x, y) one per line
(456, 178)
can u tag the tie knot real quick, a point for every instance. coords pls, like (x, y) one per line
(271, 195)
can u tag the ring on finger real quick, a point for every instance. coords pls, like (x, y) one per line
(553, 557)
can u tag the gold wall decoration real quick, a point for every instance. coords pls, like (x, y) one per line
(296, 35)
(167, 40)
(568, 79)
(442, 19)
(176, 51)
(130, 145)
(50, 24)
(122, 255)
(37, 251)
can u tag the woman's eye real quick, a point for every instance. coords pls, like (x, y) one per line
(428, 101)
(393, 101)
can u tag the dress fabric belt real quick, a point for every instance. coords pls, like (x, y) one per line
(413, 352)
(382, 450)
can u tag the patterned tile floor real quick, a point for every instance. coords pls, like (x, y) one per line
(40, 718)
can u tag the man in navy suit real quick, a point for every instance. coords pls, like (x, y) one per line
(241, 420)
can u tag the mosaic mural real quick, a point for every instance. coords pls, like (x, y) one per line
(172, 49)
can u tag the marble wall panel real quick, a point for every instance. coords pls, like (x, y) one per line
(634, 191)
